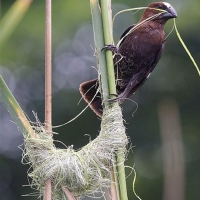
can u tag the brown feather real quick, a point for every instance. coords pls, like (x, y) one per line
(90, 94)
(137, 55)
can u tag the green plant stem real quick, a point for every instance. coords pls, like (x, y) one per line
(115, 178)
(99, 44)
(12, 19)
(15, 110)
(101, 60)
(122, 176)
(108, 39)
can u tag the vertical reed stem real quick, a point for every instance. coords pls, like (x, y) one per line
(48, 84)
(108, 39)
(48, 68)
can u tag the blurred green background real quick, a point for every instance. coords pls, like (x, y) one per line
(171, 96)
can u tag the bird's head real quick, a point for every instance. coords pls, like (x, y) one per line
(161, 10)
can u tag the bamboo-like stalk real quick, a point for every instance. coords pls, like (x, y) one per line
(122, 176)
(68, 193)
(48, 91)
(48, 67)
(101, 59)
(12, 18)
(108, 39)
(99, 44)
(15, 110)
(48, 84)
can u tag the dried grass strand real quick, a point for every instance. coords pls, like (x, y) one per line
(83, 172)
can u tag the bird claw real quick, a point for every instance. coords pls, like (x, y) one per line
(111, 48)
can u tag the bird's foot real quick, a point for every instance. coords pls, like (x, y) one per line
(110, 47)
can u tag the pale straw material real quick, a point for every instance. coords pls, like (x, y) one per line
(83, 172)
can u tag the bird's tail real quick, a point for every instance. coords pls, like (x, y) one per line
(90, 93)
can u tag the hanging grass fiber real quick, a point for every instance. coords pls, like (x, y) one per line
(83, 172)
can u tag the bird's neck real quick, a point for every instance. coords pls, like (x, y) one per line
(157, 24)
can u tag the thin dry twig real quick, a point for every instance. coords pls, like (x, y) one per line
(48, 85)
(68, 193)
(48, 68)
(47, 192)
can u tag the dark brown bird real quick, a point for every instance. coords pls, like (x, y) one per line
(139, 50)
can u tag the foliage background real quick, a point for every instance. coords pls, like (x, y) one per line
(22, 67)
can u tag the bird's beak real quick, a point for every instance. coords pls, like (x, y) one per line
(171, 13)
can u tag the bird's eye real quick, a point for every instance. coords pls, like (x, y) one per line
(160, 6)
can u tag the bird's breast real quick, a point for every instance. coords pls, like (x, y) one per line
(140, 51)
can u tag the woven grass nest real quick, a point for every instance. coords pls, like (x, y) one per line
(83, 172)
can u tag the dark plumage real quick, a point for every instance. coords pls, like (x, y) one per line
(139, 50)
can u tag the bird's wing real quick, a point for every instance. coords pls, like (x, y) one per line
(125, 32)
(138, 79)
(135, 82)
